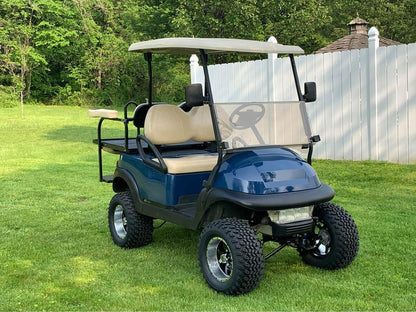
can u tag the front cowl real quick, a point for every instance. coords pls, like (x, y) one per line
(266, 171)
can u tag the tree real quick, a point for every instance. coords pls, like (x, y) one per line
(75, 51)
(395, 19)
(291, 22)
(18, 57)
(28, 30)
(295, 22)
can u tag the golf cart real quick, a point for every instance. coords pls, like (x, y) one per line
(227, 169)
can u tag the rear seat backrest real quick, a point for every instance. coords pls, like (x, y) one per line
(169, 124)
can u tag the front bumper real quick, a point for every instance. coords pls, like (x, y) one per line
(321, 194)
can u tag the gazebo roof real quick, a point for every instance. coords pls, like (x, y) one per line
(357, 38)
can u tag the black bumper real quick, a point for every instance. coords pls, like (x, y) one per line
(321, 194)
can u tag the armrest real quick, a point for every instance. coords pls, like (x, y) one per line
(126, 107)
(105, 113)
(159, 165)
(100, 123)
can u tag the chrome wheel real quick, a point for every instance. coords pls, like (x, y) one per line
(219, 259)
(323, 242)
(120, 222)
(128, 228)
(230, 256)
(335, 242)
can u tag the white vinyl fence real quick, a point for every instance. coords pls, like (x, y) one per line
(366, 99)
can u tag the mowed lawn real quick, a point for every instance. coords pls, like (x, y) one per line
(56, 252)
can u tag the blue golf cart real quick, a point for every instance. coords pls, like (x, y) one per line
(231, 170)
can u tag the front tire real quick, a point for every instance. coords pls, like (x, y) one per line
(230, 256)
(128, 228)
(335, 243)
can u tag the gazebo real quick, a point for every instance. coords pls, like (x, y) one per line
(356, 39)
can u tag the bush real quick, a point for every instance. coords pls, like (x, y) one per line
(8, 97)
(67, 96)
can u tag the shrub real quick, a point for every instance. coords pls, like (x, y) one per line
(8, 97)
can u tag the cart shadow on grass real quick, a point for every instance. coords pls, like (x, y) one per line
(72, 134)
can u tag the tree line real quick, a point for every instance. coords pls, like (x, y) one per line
(75, 51)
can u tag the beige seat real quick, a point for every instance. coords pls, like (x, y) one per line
(169, 124)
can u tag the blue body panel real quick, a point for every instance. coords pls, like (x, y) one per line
(266, 171)
(257, 172)
(164, 189)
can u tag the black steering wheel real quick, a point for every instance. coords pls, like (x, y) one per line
(246, 115)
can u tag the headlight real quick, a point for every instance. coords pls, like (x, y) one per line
(291, 215)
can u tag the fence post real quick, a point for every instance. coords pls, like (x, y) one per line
(193, 61)
(372, 112)
(271, 57)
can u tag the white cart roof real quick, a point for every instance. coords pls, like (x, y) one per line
(211, 46)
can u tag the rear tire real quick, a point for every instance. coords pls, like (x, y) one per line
(230, 256)
(128, 228)
(335, 242)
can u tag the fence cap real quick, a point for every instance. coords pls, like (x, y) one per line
(211, 46)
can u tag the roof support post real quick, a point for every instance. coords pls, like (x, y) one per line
(208, 95)
(296, 77)
(148, 58)
(301, 98)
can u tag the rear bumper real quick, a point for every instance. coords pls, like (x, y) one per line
(303, 198)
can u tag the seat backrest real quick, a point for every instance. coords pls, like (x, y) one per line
(140, 114)
(169, 124)
(201, 124)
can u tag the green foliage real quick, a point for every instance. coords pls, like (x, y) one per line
(68, 52)
(296, 22)
(8, 97)
(56, 252)
(395, 19)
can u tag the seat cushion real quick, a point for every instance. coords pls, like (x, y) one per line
(190, 163)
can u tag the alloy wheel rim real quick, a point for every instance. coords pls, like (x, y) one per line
(323, 241)
(120, 222)
(219, 259)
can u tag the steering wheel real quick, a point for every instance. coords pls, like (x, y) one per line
(246, 115)
(238, 142)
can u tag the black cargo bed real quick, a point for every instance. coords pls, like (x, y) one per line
(118, 145)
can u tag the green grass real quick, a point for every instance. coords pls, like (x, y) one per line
(56, 252)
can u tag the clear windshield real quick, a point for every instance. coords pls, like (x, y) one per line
(263, 123)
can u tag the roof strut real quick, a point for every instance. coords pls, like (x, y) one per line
(148, 58)
(295, 75)
(208, 94)
(300, 96)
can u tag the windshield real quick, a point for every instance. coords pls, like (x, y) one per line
(252, 124)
